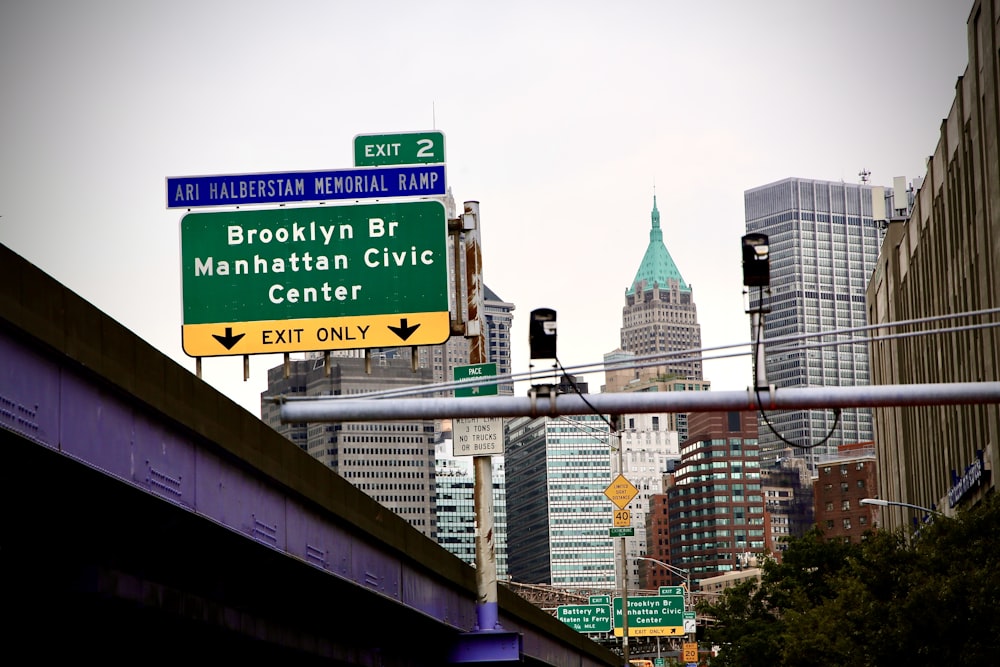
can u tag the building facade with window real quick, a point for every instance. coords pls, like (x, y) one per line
(455, 480)
(557, 470)
(660, 316)
(788, 502)
(943, 260)
(824, 243)
(842, 481)
(716, 503)
(393, 461)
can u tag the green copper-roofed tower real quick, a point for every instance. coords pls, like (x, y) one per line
(659, 314)
(657, 264)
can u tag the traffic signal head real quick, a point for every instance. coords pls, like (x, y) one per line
(756, 261)
(542, 333)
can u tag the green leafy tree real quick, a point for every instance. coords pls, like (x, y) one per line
(933, 599)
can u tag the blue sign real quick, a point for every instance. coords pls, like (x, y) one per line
(306, 186)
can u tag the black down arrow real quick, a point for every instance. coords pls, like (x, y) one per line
(404, 331)
(229, 340)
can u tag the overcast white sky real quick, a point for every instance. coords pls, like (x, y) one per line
(559, 119)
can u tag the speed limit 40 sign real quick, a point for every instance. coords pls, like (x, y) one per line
(623, 518)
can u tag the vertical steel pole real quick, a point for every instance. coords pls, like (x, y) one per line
(617, 439)
(487, 608)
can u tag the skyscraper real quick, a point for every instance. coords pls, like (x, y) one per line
(393, 462)
(557, 471)
(456, 517)
(659, 324)
(824, 245)
(660, 315)
(716, 505)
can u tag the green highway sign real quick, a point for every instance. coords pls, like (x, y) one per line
(586, 617)
(671, 590)
(651, 615)
(316, 278)
(475, 371)
(371, 150)
(600, 599)
(621, 532)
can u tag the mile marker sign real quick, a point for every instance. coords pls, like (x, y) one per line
(318, 278)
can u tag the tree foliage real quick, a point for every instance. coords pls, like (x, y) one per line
(933, 599)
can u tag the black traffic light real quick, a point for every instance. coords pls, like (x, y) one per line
(542, 333)
(756, 261)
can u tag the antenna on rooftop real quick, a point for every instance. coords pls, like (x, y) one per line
(864, 174)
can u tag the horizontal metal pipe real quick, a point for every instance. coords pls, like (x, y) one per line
(325, 409)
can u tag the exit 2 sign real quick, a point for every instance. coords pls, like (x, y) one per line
(375, 150)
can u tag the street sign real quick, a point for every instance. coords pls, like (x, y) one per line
(690, 623)
(476, 436)
(671, 590)
(586, 617)
(621, 532)
(621, 492)
(600, 599)
(306, 186)
(689, 652)
(319, 278)
(651, 616)
(399, 148)
(475, 371)
(623, 518)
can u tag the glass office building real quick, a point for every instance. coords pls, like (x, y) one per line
(824, 245)
(455, 480)
(557, 471)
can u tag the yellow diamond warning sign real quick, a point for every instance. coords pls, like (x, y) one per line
(621, 492)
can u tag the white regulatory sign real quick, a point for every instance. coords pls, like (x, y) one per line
(478, 436)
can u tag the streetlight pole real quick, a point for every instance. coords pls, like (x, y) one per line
(879, 502)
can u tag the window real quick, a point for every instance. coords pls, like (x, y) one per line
(861, 483)
(847, 523)
(829, 506)
(845, 504)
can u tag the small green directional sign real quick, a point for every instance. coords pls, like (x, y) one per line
(376, 150)
(586, 617)
(475, 371)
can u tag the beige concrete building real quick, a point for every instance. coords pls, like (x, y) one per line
(944, 259)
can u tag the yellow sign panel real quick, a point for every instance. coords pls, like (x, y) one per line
(652, 631)
(623, 518)
(315, 334)
(621, 492)
(689, 652)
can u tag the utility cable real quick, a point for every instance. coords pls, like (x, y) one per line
(760, 404)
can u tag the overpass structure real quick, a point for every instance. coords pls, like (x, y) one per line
(149, 518)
